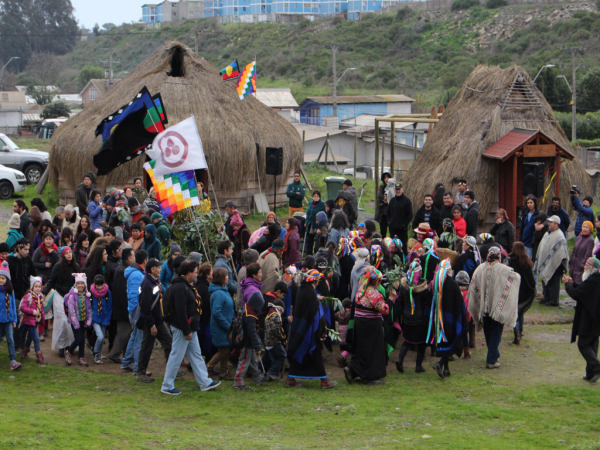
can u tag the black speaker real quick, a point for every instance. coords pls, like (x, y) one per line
(533, 179)
(274, 160)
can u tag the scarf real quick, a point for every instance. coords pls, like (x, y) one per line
(82, 311)
(46, 250)
(553, 251)
(376, 255)
(99, 294)
(267, 252)
(287, 238)
(39, 303)
(344, 248)
(198, 299)
(436, 319)
(371, 273)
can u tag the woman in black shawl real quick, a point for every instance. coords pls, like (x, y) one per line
(409, 310)
(365, 331)
(447, 318)
(520, 262)
(347, 260)
(308, 328)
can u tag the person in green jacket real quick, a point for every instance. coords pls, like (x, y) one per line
(14, 233)
(162, 229)
(295, 192)
(310, 224)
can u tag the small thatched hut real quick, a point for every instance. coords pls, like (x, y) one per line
(502, 111)
(229, 128)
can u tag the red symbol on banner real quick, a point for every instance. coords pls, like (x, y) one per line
(173, 149)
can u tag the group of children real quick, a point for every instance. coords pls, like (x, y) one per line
(85, 309)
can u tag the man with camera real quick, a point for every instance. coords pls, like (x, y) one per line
(583, 208)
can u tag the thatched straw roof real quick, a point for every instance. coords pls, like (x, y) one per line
(477, 117)
(224, 121)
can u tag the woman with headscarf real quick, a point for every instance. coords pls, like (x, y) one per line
(584, 246)
(291, 251)
(377, 258)
(366, 339)
(470, 259)
(413, 299)
(265, 241)
(394, 245)
(272, 218)
(151, 201)
(429, 260)
(347, 260)
(308, 327)
(447, 318)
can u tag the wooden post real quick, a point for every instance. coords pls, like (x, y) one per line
(514, 188)
(326, 149)
(355, 151)
(382, 154)
(376, 174)
(393, 149)
(333, 157)
(557, 174)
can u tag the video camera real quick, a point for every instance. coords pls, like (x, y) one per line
(575, 190)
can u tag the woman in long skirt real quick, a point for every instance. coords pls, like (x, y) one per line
(369, 356)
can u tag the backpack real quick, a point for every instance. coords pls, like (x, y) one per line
(168, 305)
(235, 335)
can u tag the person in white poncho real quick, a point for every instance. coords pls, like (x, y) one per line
(551, 261)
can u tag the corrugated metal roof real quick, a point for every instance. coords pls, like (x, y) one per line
(277, 98)
(31, 117)
(314, 131)
(515, 139)
(344, 99)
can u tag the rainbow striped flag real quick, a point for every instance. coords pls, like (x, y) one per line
(247, 81)
(175, 191)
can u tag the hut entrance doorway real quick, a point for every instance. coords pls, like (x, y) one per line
(519, 146)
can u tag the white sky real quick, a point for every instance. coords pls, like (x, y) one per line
(89, 12)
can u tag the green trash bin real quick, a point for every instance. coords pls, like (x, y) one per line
(334, 184)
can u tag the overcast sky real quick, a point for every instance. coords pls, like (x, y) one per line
(89, 12)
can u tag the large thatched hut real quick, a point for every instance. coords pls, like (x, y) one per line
(495, 123)
(229, 128)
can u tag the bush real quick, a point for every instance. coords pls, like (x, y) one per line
(337, 20)
(463, 4)
(56, 110)
(493, 4)
(309, 81)
(406, 13)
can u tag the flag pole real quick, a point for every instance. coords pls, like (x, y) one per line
(215, 194)
(192, 216)
(203, 221)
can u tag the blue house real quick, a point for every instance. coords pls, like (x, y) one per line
(152, 13)
(313, 109)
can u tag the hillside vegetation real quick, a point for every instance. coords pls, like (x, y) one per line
(426, 55)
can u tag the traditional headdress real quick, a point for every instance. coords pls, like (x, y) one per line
(371, 273)
(486, 236)
(376, 255)
(312, 275)
(436, 320)
(344, 248)
(413, 277)
(494, 254)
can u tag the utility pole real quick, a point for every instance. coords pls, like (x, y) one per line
(197, 33)
(110, 64)
(574, 66)
(334, 48)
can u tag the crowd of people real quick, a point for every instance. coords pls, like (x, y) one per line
(107, 270)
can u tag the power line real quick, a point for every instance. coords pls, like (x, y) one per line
(101, 34)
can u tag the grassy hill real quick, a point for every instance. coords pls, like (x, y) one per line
(426, 55)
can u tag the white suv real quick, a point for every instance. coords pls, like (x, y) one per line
(31, 162)
(11, 181)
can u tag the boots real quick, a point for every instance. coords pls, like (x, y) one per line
(420, 358)
(472, 335)
(401, 356)
(24, 352)
(326, 383)
(40, 358)
(517, 340)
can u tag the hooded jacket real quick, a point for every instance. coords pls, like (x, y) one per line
(134, 276)
(72, 306)
(162, 230)
(95, 214)
(119, 300)
(166, 276)
(353, 197)
(222, 311)
(20, 271)
(151, 243)
(82, 197)
(250, 287)
(250, 321)
(150, 316)
(186, 317)
(222, 263)
(101, 305)
(14, 234)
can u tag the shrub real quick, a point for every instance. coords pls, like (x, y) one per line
(463, 4)
(493, 4)
(406, 13)
(309, 81)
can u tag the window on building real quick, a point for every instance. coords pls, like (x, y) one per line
(286, 5)
(313, 112)
(295, 5)
(374, 2)
(93, 94)
(403, 141)
(307, 5)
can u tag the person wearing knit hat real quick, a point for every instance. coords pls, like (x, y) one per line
(14, 232)
(270, 261)
(8, 314)
(586, 322)
(79, 307)
(32, 307)
(101, 313)
(4, 251)
(162, 229)
(412, 300)
(168, 269)
(195, 256)
(583, 249)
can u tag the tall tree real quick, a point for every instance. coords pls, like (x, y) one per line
(555, 90)
(28, 26)
(45, 67)
(588, 92)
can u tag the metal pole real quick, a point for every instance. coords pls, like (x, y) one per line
(334, 49)
(326, 149)
(376, 174)
(393, 149)
(355, 149)
(574, 94)
(275, 196)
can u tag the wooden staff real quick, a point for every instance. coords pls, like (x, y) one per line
(203, 221)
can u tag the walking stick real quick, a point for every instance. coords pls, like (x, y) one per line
(287, 345)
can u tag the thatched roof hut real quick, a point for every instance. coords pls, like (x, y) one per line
(491, 103)
(228, 126)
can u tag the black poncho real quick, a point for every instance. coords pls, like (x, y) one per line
(412, 319)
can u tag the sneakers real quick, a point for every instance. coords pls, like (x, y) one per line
(98, 358)
(83, 362)
(211, 386)
(493, 366)
(68, 358)
(144, 378)
(171, 391)
(14, 365)
(243, 387)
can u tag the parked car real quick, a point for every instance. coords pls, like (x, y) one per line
(11, 181)
(31, 162)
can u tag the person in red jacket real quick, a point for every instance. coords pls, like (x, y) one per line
(460, 226)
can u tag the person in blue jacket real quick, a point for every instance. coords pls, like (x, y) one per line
(101, 313)
(528, 225)
(584, 210)
(95, 210)
(8, 314)
(134, 275)
(222, 311)
(151, 244)
(168, 267)
(310, 224)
